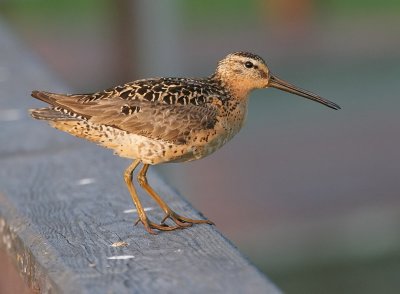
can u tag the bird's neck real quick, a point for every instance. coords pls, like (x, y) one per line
(237, 88)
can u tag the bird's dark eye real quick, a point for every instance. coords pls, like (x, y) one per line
(248, 64)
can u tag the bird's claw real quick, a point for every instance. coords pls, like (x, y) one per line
(149, 226)
(182, 221)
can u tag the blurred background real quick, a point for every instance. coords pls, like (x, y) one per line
(309, 194)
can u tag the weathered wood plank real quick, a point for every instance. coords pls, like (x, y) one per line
(63, 204)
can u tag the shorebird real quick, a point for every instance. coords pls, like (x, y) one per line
(160, 120)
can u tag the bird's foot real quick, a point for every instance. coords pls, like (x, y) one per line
(149, 226)
(183, 222)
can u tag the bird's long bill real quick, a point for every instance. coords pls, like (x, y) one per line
(285, 86)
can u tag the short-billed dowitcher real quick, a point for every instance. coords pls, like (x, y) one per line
(162, 120)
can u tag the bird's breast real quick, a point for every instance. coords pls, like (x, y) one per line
(230, 121)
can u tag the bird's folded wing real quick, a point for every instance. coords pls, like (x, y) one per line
(151, 119)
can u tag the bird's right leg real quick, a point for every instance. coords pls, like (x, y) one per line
(148, 225)
(179, 220)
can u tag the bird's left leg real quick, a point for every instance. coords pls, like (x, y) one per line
(148, 225)
(169, 213)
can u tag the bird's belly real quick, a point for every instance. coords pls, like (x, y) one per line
(157, 151)
(124, 144)
(153, 151)
(149, 151)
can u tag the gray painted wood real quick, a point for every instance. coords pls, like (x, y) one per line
(63, 204)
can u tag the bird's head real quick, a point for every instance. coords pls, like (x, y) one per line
(243, 72)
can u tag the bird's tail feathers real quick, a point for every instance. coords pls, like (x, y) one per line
(49, 114)
(45, 96)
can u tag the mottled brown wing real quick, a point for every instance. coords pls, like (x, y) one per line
(151, 119)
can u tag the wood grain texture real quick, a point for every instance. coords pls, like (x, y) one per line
(62, 206)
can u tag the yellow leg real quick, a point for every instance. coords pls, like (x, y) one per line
(149, 226)
(181, 221)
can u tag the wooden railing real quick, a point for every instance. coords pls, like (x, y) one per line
(65, 219)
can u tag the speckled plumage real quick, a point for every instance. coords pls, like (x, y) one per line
(166, 119)
(155, 120)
